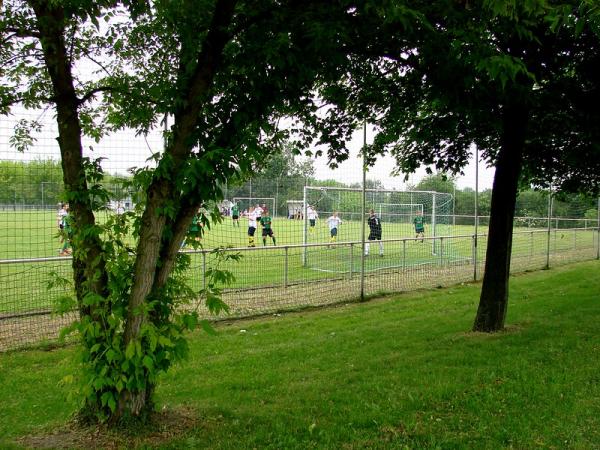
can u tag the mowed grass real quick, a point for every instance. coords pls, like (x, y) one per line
(397, 372)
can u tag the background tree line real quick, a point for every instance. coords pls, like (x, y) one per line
(283, 177)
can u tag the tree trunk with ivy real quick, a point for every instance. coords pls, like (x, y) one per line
(156, 253)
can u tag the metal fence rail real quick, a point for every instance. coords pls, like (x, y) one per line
(280, 278)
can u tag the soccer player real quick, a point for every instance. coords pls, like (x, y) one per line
(119, 209)
(419, 222)
(334, 222)
(62, 212)
(374, 233)
(66, 231)
(267, 229)
(252, 216)
(312, 216)
(195, 229)
(235, 214)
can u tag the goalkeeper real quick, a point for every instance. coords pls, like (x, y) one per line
(419, 222)
(374, 233)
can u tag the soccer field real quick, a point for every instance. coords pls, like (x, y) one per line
(34, 234)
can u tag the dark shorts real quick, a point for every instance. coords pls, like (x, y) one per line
(419, 230)
(251, 231)
(235, 217)
(333, 232)
(267, 232)
(375, 236)
(312, 222)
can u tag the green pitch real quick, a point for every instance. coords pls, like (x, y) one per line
(34, 234)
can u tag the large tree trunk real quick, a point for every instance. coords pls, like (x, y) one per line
(493, 302)
(87, 259)
(151, 245)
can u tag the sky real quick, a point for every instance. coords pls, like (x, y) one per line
(350, 171)
(124, 150)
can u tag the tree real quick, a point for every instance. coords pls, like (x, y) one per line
(437, 182)
(494, 74)
(222, 72)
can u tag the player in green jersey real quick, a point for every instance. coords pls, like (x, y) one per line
(235, 214)
(419, 222)
(195, 230)
(267, 230)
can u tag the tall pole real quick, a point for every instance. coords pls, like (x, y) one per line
(453, 205)
(433, 224)
(42, 183)
(598, 224)
(549, 228)
(304, 226)
(362, 220)
(475, 238)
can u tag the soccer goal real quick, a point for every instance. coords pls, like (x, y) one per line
(396, 210)
(244, 203)
(399, 212)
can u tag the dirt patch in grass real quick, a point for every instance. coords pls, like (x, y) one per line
(508, 329)
(163, 427)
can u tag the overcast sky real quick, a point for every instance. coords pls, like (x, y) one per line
(350, 171)
(124, 150)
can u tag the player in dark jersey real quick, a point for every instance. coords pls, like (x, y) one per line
(267, 229)
(419, 222)
(235, 214)
(374, 223)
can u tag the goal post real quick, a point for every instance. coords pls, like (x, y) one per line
(399, 212)
(396, 209)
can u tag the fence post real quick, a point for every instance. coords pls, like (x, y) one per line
(363, 213)
(531, 245)
(203, 269)
(441, 250)
(473, 257)
(598, 229)
(285, 269)
(351, 259)
(403, 254)
(549, 230)
(305, 227)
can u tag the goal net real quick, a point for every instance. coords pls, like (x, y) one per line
(399, 212)
(396, 210)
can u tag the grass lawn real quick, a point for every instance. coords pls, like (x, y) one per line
(397, 372)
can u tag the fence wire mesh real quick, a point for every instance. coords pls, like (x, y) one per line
(304, 263)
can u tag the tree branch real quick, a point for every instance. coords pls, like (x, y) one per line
(93, 92)
(24, 33)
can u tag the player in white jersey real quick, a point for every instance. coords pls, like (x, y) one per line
(312, 216)
(253, 216)
(334, 222)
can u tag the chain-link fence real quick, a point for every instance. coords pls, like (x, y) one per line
(420, 233)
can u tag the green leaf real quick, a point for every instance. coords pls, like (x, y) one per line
(165, 341)
(148, 362)
(130, 351)
(208, 328)
(111, 355)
